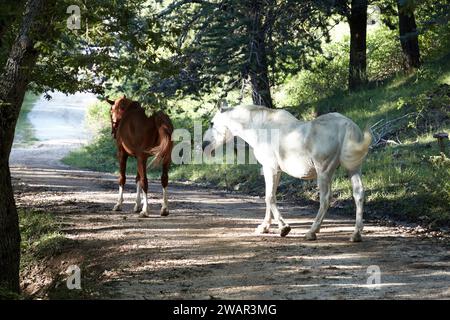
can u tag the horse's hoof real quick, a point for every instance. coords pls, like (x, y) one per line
(356, 237)
(117, 207)
(143, 214)
(310, 236)
(164, 212)
(262, 228)
(285, 230)
(137, 208)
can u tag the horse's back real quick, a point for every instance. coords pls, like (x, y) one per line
(337, 138)
(139, 133)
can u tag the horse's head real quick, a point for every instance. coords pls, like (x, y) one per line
(218, 132)
(117, 110)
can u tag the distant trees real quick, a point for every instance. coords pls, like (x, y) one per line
(223, 43)
(355, 12)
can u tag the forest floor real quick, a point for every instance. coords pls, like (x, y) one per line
(207, 249)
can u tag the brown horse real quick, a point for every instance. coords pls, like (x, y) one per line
(140, 136)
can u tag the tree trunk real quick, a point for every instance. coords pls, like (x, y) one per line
(258, 67)
(358, 32)
(13, 83)
(408, 36)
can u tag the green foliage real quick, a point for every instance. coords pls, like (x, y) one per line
(118, 41)
(99, 155)
(8, 295)
(317, 89)
(98, 115)
(329, 72)
(24, 134)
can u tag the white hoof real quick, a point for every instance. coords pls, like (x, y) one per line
(356, 237)
(143, 214)
(164, 212)
(262, 228)
(311, 236)
(117, 207)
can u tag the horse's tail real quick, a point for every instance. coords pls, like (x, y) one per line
(163, 151)
(355, 147)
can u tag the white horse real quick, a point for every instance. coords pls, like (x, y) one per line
(305, 150)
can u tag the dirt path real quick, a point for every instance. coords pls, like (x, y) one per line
(206, 248)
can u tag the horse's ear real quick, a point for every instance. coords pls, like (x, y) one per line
(111, 102)
(124, 96)
(223, 106)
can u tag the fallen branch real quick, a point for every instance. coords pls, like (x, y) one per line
(383, 128)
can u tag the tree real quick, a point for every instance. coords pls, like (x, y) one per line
(355, 11)
(45, 55)
(357, 20)
(228, 42)
(13, 82)
(409, 37)
(411, 18)
(400, 15)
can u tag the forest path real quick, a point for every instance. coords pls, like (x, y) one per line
(206, 248)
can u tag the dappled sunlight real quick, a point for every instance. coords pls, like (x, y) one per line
(207, 246)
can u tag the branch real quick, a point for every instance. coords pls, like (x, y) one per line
(383, 128)
(181, 3)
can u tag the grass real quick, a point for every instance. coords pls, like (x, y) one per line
(8, 295)
(41, 237)
(42, 241)
(100, 155)
(24, 129)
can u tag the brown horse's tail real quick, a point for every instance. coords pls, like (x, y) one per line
(163, 151)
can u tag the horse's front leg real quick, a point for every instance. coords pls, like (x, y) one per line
(143, 182)
(264, 227)
(123, 156)
(272, 179)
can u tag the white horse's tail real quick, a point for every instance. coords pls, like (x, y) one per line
(354, 150)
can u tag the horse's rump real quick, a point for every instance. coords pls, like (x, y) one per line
(139, 134)
(163, 151)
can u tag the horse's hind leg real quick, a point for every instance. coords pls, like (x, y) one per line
(358, 195)
(142, 172)
(324, 182)
(138, 205)
(123, 156)
(164, 183)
